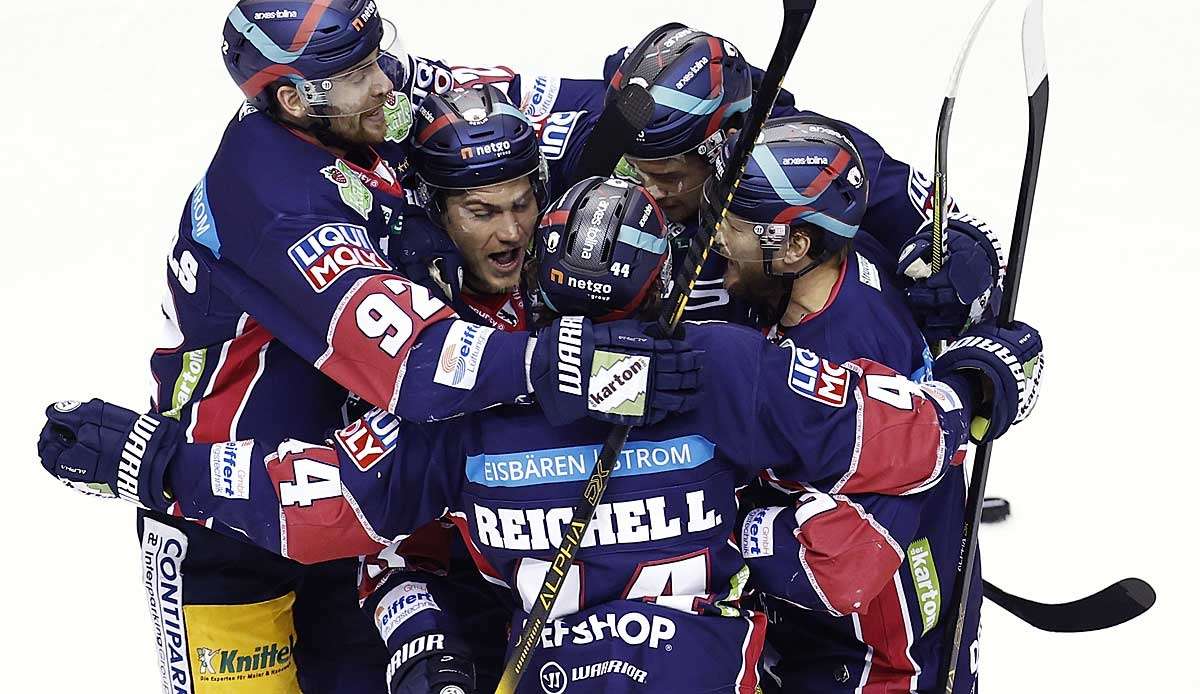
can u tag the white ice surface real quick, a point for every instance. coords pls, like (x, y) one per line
(111, 111)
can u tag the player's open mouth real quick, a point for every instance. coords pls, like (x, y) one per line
(506, 261)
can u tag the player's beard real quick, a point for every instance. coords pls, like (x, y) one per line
(767, 294)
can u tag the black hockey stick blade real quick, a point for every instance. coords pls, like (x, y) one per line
(1116, 604)
(615, 131)
(796, 14)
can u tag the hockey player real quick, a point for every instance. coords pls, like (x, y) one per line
(793, 249)
(653, 603)
(279, 293)
(482, 207)
(702, 86)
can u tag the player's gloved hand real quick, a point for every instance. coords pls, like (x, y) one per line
(615, 372)
(104, 450)
(440, 672)
(1002, 367)
(966, 290)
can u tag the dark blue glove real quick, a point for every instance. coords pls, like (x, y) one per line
(431, 664)
(615, 372)
(1005, 365)
(106, 450)
(966, 290)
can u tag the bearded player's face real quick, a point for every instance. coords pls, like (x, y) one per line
(361, 93)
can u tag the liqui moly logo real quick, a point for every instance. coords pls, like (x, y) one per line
(369, 439)
(818, 379)
(327, 252)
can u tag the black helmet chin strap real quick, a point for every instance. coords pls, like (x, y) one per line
(787, 280)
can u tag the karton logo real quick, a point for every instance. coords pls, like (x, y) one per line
(400, 603)
(462, 355)
(925, 578)
(370, 439)
(618, 383)
(327, 252)
(818, 379)
(229, 465)
(633, 628)
(360, 22)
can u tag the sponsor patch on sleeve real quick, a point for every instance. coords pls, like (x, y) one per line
(555, 132)
(618, 383)
(818, 379)
(229, 465)
(329, 251)
(370, 439)
(462, 354)
(868, 274)
(758, 532)
(401, 603)
(538, 102)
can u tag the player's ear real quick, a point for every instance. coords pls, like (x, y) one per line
(290, 102)
(799, 244)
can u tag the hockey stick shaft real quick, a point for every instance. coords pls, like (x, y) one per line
(941, 153)
(796, 14)
(1038, 89)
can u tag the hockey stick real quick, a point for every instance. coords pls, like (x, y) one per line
(941, 149)
(796, 14)
(615, 131)
(1116, 604)
(1037, 82)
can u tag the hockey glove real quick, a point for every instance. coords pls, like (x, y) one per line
(614, 372)
(105, 450)
(1005, 365)
(966, 290)
(430, 672)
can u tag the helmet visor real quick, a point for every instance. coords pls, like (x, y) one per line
(360, 89)
(736, 238)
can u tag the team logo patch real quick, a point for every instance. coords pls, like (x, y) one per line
(397, 110)
(229, 468)
(462, 354)
(353, 191)
(818, 379)
(370, 439)
(401, 603)
(327, 252)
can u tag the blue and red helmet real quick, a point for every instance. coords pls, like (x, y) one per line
(470, 138)
(804, 170)
(698, 82)
(298, 42)
(602, 250)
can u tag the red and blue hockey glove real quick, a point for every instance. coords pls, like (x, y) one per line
(1005, 368)
(615, 372)
(105, 450)
(966, 290)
